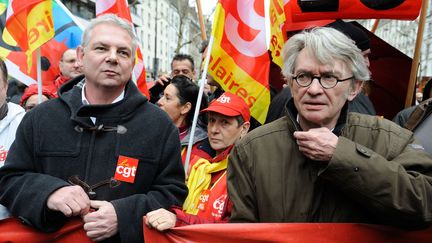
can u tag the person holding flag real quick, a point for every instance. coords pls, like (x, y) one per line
(91, 153)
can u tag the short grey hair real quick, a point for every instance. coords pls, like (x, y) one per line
(114, 20)
(327, 45)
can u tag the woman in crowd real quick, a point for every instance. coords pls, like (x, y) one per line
(179, 101)
(207, 201)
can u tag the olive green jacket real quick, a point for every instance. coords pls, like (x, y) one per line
(378, 174)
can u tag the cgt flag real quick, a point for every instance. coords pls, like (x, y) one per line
(239, 59)
(277, 20)
(121, 9)
(67, 35)
(30, 24)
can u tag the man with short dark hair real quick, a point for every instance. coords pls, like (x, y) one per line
(183, 64)
(321, 163)
(91, 153)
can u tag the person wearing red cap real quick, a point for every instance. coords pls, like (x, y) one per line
(30, 97)
(207, 201)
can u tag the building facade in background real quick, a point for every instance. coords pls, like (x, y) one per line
(164, 27)
(402, 34)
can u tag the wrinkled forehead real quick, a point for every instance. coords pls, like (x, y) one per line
(308, 61)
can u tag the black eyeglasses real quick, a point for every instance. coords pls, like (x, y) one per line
(327, 81)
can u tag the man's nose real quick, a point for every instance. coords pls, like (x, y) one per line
(112, 56)
(315, 87)
(214, 128)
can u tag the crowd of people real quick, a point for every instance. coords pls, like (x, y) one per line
(98, 150)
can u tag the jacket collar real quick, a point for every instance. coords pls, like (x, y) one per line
(200, 134)
(292, 112)
(70, 94)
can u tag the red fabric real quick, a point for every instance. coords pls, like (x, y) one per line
(229, 104)
(184, 219)
(21, 29)
(217, 207)
(12, 230)
(287, 232)
(354, 9)
(33, 90)
(60, 80)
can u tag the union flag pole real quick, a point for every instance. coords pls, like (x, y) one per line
(201, 20)
(416, 58)
(201, 87)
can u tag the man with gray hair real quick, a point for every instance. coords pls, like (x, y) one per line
(91, 152)
(320, 163)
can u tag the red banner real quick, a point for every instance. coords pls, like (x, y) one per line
(306, 10)
(287, 232)
(12, 230)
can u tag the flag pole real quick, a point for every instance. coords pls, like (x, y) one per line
(201, 20)
(416, 58)
(375, 25)
(198, 103)
(39, 74)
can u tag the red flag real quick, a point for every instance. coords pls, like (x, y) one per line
(67, 35)
(30, 24)
(121, 9)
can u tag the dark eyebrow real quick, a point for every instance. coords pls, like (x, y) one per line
(303, 71)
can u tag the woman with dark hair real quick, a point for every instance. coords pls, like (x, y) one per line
(179, 101)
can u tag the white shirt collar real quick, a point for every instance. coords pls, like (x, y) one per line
(86, 102)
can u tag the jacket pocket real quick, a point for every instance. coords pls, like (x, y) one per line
(59, 144)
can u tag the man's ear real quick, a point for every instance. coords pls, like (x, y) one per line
(80, 54)
(355, 89)
(245, 129)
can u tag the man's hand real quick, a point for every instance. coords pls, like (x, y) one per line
(70, 200)
(162, 80)
(317, 144)
(160, 219)
(102, 223)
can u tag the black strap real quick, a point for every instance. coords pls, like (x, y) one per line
(3, 110)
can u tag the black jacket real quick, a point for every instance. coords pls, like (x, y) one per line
(57, 139)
